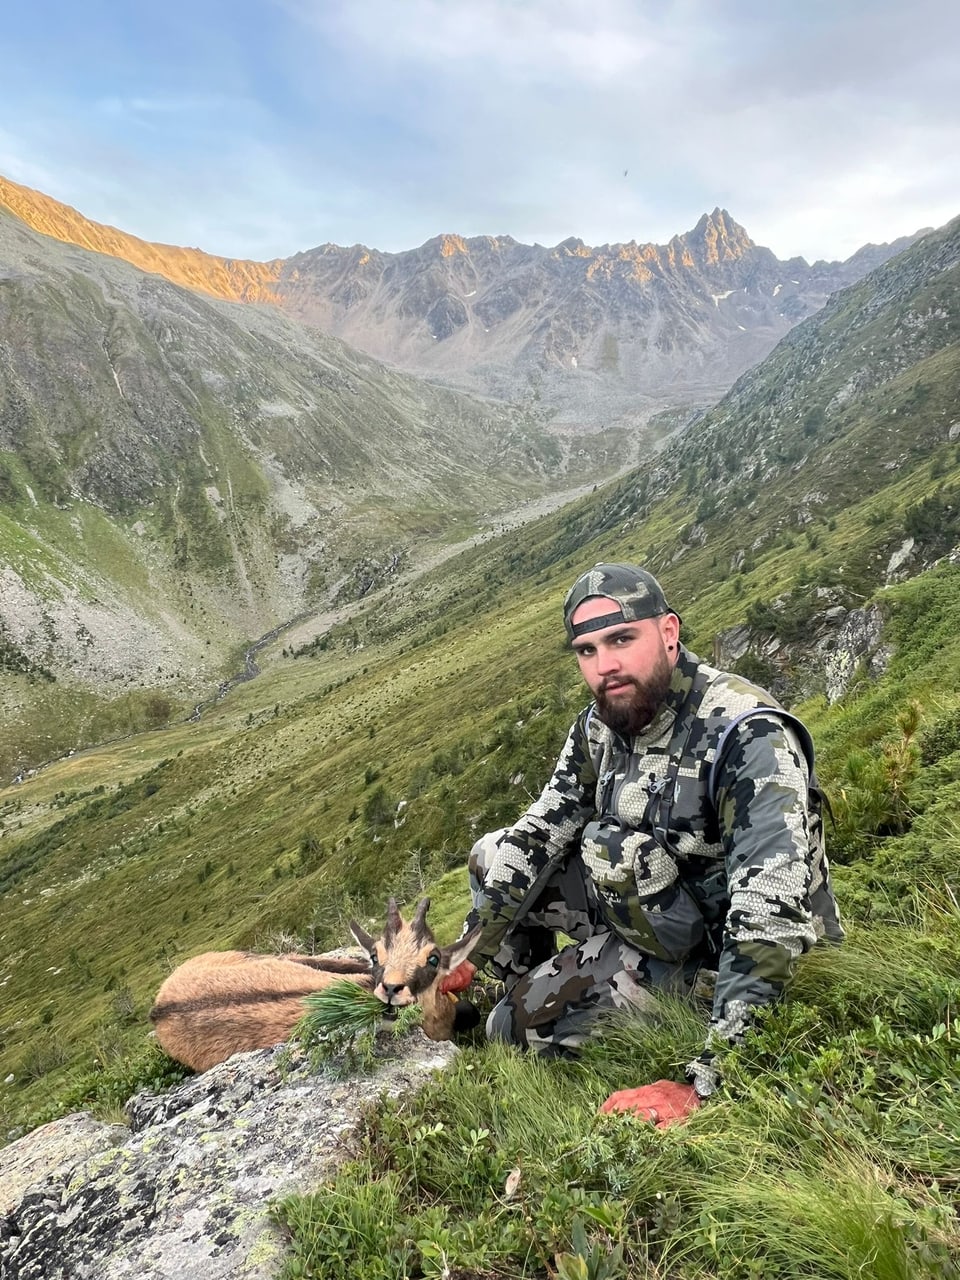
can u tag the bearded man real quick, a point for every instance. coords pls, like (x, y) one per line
(679, 843)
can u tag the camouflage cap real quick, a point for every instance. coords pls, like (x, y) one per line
(638, 594)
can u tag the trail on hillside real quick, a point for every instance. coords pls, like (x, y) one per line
(310, 626)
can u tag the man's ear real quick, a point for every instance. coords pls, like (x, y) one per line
(458, 951)
(670, 630)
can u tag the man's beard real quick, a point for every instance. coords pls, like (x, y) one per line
(629, 713)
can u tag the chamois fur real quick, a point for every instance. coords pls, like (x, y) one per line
(225, 1002)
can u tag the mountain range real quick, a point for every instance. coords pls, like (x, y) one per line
(599, 335)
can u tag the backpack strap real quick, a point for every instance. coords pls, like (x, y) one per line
(656, 818)
(799, 728)
(661, 810)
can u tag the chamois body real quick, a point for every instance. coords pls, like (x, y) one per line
(225, 1002)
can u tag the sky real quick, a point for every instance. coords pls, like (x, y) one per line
(259, 128)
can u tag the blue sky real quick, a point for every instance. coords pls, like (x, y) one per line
(257, 128)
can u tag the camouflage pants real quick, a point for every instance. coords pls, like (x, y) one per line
(553, 997)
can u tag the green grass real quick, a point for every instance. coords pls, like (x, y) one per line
(815, 1160)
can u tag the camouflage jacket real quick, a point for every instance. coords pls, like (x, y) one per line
(741, 886)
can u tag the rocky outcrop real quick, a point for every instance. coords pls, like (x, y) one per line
(852, 642)
(185, 1192)
(839, 643)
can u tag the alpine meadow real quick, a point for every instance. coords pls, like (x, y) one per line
(411, 692)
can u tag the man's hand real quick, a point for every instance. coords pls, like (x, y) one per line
(458, 979)
(663, 1103)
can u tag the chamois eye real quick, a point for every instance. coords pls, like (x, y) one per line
(373, 957)
(433, 960)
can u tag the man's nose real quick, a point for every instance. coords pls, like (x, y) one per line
(608, 661)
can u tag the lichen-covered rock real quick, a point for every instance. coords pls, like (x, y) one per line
(185, 1193)
(856, 643)
(840, 642)
(61, 1145)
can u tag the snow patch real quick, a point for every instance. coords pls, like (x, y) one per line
(719, 297)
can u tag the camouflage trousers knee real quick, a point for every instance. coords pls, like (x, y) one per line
(554, 997)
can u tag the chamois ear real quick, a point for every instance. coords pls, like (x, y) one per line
(458, 951)
(363, 938)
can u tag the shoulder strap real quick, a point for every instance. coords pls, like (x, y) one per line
(661, 810)
(799, 728)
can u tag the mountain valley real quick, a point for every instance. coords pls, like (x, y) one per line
(187, 462)
(179, 466)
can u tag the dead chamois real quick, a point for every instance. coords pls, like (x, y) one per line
(225, 1002)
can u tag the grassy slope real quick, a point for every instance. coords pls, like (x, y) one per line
(276, 813)
(269, 846)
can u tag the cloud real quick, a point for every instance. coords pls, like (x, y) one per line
(816, 130)
(300, 121)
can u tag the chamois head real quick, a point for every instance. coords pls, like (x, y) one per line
(408, 967)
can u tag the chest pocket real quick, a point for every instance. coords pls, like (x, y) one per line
(639, 890)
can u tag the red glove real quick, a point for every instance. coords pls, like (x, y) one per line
(458, 979)
(663, 1103)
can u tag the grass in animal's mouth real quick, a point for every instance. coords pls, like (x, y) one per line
(343, 1019)
(342, 1010)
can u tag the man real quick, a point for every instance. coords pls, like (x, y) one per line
(678, 842)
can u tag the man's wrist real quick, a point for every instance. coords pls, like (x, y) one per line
(704, 1076)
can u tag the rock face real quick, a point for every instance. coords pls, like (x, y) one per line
(839, 643)
(185, 1192)
(857, 642)
(600, 334)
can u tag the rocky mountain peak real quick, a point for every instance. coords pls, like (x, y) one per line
(448, 245)
(572, 247)
(716, 238)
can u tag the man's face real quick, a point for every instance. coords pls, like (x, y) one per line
(626, 666)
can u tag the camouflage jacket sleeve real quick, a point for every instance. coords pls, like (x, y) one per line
(762, 809)
(535, 845)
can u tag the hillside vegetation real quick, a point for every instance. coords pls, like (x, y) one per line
(180, 475)
(366, 761)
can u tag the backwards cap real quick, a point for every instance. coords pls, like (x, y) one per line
(637, 593)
